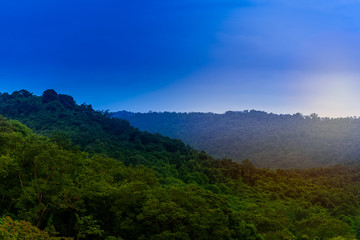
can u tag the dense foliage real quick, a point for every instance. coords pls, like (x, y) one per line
(70, 193)
(268, 140)
(58, 116)
(52, 188)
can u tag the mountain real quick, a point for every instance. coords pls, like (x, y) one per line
(79, 174)
(58, 116)
(268, 140)
(67, 192)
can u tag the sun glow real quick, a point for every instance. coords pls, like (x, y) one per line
(331, 95)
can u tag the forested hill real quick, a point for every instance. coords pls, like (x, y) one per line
(62, 184)
(268, 140)
(59, 117)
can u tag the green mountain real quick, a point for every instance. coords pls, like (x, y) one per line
(268, 140)
(79, 174)
(58, 116)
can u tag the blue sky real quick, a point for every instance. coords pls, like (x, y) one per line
(282, 56)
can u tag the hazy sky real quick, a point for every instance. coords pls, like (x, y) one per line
(282, 56)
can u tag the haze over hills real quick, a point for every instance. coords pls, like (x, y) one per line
(268, 140)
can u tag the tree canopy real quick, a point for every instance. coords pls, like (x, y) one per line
(121, 183)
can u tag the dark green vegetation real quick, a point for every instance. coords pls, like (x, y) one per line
(268, 140)
(59, 180)
(58, 117)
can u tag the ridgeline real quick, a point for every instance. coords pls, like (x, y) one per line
(268, 140)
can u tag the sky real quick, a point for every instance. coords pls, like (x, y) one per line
(280, 56)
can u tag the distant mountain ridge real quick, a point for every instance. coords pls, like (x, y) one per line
(268, 140)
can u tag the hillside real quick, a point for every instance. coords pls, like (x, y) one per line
(58, 116)
(268, 140)
(54, 188)
(69, 193)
